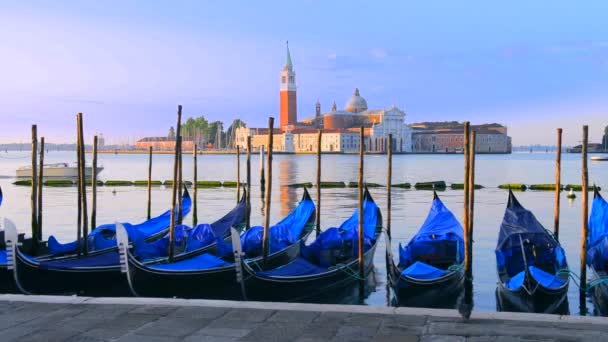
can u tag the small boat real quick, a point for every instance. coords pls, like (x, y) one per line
(597, 252)
(57, 171)
(64, 271)
(211, 274)
(532, 269)
(430, 272)
(324, 270)
(599, 158)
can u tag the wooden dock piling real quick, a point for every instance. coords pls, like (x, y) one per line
(585, 222)
(180, 173)
(195, 185)
(389, 180)
(467, 203)
(149, 209)
(79, 194)
(94, 185)
(248, 224)
(34, 195)
(558, 182)
(238, 173)
(40, 178)
(361, 255)
(268, 189)
(318, 212)
(262, 177)
(83, 187)
(174, 187)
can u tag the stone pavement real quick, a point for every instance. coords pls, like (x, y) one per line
(48, 318)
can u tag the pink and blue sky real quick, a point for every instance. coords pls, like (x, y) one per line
(531, 65)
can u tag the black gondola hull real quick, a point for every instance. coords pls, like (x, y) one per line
(542, 300)
(599, 294)
(216, 283)
(443, 293)
(330, 287)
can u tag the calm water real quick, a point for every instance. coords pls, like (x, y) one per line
(409, 206)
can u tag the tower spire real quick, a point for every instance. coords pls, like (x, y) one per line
(288, 64)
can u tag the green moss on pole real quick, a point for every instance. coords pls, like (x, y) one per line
(170, 183)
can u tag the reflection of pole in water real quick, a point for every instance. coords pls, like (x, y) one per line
(288, 195)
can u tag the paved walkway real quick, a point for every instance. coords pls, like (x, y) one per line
(48, 318)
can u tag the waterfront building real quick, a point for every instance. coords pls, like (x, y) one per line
(341, 128)
(164, 144)
(447, 137)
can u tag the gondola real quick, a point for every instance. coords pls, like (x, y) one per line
(212, 274)
(95, 274)
(597, 252)
(323, 271)
(430, 272)
(532, 269)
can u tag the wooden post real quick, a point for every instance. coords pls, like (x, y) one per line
(94, 185)
(180, 214)
(360, 254)
(238, 174)
(262, 180)
(40, 177)
(268, 189)
(195, 185)
(473, 138)
(248, 182)
(149, 211)
(83, 188)
(318, 213)
(558, 182)
(389, 179)
(585, 232)
(174, 187)
(34, 177)
(467, 169)
(79, 205)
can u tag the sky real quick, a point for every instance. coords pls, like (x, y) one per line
(531, 65)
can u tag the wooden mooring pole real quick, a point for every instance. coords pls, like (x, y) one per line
(268, 189)
(34, 196)
(94, 185)
(361, 254)
(83, 188)
(174, 188)
(40, 177)
(79, 205)
(238, 174)
(149, 209)
(318, 213)
(262, 177)
(195, 185)
(248, 225)
(585, 226)
(466, 305)
(558, 183)
(389, 179)
(473, 139)
(180, 173)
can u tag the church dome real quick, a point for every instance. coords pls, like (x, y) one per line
(356, 103)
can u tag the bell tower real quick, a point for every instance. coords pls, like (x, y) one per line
(288, 102)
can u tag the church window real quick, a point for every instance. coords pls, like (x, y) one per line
(283, 79)
(291, 79)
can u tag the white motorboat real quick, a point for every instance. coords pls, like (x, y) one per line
(599, 158)
(58, 170)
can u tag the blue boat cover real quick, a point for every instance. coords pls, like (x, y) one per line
(597, 241)
(298, 267)
(3, 258)
(104, 236)
(546, 280)
(420, 270)
(199, 262)
(1, 196)
(439, 238)
(281, 235)
(542, 252)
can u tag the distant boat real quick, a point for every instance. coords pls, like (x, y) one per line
(58, 170)
(599, 158)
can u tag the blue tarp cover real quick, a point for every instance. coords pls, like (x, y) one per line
(3, 258)
(440, 237)
(298, 267)
(104, 236)
(597, 250)
(199, 262)
(545, 279)
(420, 270)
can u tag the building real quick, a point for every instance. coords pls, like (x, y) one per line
(341, 128)
(447, 137)
(163, 144)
